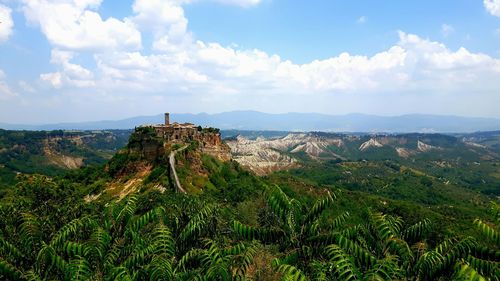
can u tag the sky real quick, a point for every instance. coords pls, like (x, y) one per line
(86, 60)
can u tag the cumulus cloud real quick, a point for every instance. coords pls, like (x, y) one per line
(493, 7)
(411, 63)
(187, 72)
(70, 74)
(75, 25)
(167, 22)
(6, 23)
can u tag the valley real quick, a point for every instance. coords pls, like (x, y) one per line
(434, 155)
(249, 140)
(223, 186)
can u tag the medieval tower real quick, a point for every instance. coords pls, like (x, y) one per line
(167, 119)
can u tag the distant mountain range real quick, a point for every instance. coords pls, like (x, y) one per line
(254, 120)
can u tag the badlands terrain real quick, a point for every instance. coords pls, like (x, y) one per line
(267, 154)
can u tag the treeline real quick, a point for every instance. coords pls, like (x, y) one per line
(49, 233)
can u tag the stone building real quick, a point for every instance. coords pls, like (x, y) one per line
(209, 138)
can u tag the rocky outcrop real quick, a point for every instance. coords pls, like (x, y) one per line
(370, 143)
(212, 144)
(423, 147)
(263, 155)
(221, 152)
(267, 155)
(148, 149)
(265, 161)
(403, 152)
(60, 159)
(475, 145)
(311, 148)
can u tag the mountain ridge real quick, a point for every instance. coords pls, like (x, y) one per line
(292, 121)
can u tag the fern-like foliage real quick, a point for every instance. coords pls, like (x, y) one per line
(79, 269)
(317, 209)
(48, 259)
(74, 227)
(30, 233)
(339, 221)
(485, 267)
(465, 272)
(9, 251)
(9, 271)
(163, 241)
(443, 258)
(385, 269)
(290, 272)
(124, 214)
(417, 231)
(363, 256)
(150, 216)
(483, 263)
(216, 263)
(198, 224)
(280, 203)
(488, 231)
(100, 241)
(161, 268)
(343, 263)
(266, 235)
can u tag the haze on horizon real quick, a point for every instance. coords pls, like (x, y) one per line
(86, 60)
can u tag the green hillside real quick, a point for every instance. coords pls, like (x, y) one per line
(372, 219)
(54, 152)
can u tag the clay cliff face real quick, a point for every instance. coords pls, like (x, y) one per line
(146, 143)
(149, 150)
(212, 144)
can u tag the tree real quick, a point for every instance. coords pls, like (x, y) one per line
(483, 263)
(382, 248)
(122, 246)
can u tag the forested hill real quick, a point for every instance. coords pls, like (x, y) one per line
(54, 152)
(123, 220)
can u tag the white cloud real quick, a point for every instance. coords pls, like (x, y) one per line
(54, 78)
(70, 73)
(241, 3)
(413, 62)
(493, 7)
(447, 29)
(26, 87)
(361, 20)
(167, 22)
(73, 24)
(434, 67)
(5, 91)
(6, 23)
(193, 75)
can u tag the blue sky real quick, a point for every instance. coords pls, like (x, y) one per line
(75, 60)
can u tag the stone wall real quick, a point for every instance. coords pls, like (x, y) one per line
(209, 140)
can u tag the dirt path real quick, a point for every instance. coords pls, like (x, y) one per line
(171, 159)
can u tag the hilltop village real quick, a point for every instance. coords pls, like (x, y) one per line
(209, 139)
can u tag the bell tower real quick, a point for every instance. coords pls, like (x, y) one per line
(167, 118)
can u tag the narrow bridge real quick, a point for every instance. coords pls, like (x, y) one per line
(171, 160)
